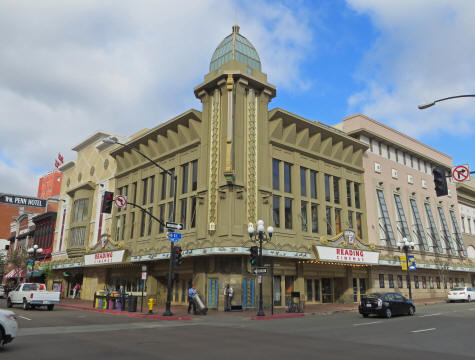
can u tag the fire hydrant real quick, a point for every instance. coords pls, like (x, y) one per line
(150, 305)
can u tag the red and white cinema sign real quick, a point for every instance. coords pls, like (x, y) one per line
(326, 253)
(108, 257)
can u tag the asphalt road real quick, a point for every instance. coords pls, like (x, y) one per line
(441, 331)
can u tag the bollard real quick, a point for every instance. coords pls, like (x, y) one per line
(150, 305)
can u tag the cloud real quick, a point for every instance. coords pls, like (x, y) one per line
(424, 52)
(69, 70)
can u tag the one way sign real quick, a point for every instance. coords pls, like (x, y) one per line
(460, 173)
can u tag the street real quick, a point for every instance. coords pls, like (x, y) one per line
(440, 331)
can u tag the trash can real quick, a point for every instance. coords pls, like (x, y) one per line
(132, 303)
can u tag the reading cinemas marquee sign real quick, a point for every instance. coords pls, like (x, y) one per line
(22, 200)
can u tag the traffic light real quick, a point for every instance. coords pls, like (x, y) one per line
(177, 258)
(440, 181)
(107, 201)
(254, 255)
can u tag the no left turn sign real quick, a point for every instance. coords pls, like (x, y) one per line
(460, 173)
(120, 201)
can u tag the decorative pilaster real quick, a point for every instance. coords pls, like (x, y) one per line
(251, 156)
(214, 159)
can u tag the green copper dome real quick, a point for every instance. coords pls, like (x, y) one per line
(235, 47)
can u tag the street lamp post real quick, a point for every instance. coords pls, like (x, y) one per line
(114, 140)
(429, 104)
(406, 245)
(260, 236)
(33, 251)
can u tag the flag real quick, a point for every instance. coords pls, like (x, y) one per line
(60, 158)
(57, 163)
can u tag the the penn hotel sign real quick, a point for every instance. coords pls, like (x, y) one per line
(22, 200)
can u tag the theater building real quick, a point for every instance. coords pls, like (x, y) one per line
(466, 204)
(401, 203)
(236, 162)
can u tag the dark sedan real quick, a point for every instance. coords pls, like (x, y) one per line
(386, 305)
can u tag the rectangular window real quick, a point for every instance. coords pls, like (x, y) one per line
(134, 189)
(144, 191)
(327, 187)
(309, 290)
(348, 192)
(433, 229)
(381, 281)
(303, 214)
(162, 217)
(337, 221)
(172, 183)
(329, 220)
(132, 225)
(303, 181)
(402, 218)
(399, 281)
(171, 211)
(77, 236)
(81, 210)
(458, 236)
(336, 190)
(437, 281)
(193, 212)
(117, 228)
(314, 210)
(418, 225)
(288, 213)
(142, 224)
(276, 210)
(287, 177)
(391, 281)
(184, 203)
(194, 176)
(446, 232)
(164, 185)
(184, 178)
(424, 284)
(313, 184)
(416, 282)
(359, 226)
(123, 227)
(275, 174)
(356, 187)
(384, 221)
(350, 219)
(431, 282)
(152, 188)
(150, 221)
(317, 289)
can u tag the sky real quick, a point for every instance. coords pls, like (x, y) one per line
(70, 69)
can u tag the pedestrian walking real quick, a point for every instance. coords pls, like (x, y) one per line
(228, 297)
(76, 290)
(191, 301)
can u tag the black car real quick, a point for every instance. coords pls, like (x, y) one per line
(386, 305)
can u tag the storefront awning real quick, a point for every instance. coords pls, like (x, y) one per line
(15, 273)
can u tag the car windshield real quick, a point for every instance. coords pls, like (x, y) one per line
(458, 289)
(375, 295)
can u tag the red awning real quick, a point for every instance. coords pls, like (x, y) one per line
(15, 273)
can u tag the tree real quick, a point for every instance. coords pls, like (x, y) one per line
(18, 258)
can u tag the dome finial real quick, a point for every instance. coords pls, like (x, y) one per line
(235, 29)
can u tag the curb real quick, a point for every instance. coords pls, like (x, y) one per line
(143, 316)
(271, 317)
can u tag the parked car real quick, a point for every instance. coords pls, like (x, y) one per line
(464, 293)
(2, 291)
(31, 295)
(8, 326)
(386, 304)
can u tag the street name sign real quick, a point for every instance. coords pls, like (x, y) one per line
(174, 237)
(460, 173)
(260, 271)
(120, 201)
(173, 225)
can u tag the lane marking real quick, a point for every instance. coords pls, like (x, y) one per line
(24, 317)
(368, 323)
(430, 315)
(417, 331)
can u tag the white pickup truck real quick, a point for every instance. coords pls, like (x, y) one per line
(31, 295)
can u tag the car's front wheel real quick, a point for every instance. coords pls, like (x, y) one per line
(388, 313)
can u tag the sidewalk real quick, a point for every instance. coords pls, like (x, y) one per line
(180, 311)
